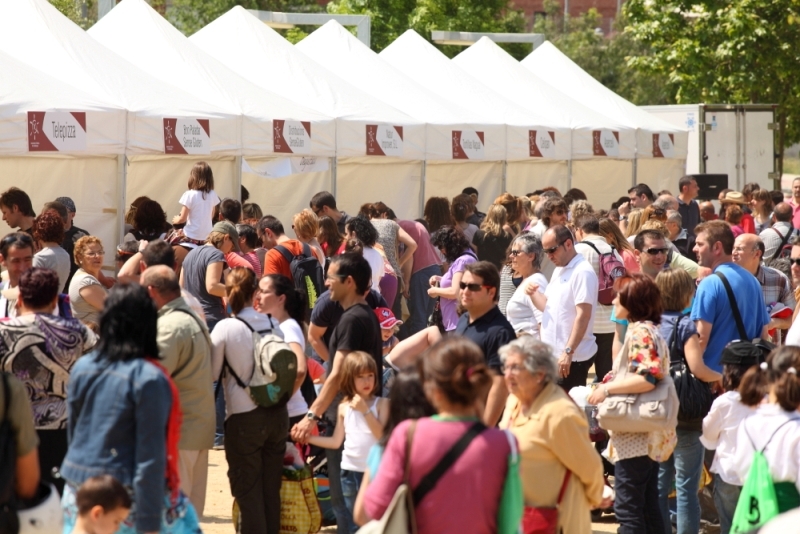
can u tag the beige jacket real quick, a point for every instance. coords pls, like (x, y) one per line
(553, 436)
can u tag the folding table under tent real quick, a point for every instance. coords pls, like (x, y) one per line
(603, 149)
(36, 33)
(272, 126)
(463, 147)
(56, 140)
(661, 148)
(537, 149)
(379, 150)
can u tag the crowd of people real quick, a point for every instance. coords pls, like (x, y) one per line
(425, 352)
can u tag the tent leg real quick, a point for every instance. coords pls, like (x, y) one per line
(333, 177)
(635, 172)
(569, 174)
(122, 183)
(237, 194)
(422, 188)
(505, 177)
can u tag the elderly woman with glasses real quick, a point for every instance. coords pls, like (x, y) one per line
(86, 294)
(526, 259)
(553, 437)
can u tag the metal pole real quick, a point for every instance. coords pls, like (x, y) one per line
(122, 184)
(504, 183)
(333, 176)
(422, 188)
(238, 178)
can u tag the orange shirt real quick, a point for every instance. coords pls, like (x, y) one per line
(275, 263)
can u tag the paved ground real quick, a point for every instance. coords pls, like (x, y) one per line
(217, 517)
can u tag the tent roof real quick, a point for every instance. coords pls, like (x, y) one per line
(561, 72)
(336, 48)
(261, 55)
(24, 89)
(138, 33)
(36, 33)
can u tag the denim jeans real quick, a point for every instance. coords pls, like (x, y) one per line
(351, 482)
(725, 498)
(344, 517)
(685, 468)
(420, 305)
(636, 503)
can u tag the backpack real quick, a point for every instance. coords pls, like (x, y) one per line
(274, 369)
(758, 502)
(784, 249)
(307, 274)
(9, 521)
(610, 268)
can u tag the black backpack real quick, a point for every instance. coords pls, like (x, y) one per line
(306, 273)
(9, 522)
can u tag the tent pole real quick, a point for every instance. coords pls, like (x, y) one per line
(422, 188)
(237, 194)
(569, 174)
(505, 177)
(333, 176)
(634, 172)
(122, 181)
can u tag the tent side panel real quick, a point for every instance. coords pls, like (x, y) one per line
(393, 181)
(446, 179)
(660, 173)
(522, 177)
(603, 181)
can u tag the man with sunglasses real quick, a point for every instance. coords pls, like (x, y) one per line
(568, 307)
(712, 309)
(16, 255)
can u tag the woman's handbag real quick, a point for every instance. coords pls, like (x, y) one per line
(399, 516)
(436, 319)
(694, 395)
(652, 411)
(544, 520)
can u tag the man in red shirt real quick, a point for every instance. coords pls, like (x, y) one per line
(270, 231)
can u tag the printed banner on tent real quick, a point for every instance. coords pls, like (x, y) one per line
(384, 140)
(605, 143)
(291, 137)
(467, 144)
(187, 136)
(56, 131)
(542, 143)
(663, 145)
(278, 168)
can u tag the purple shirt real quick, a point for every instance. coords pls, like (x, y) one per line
(449, 313)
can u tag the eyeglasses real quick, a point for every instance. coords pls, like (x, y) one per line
(513, 369)
(472, 287)
(339, 277)
(552, 249)
(794, 261)
(656, 251)
(95, 254)
(515, 253)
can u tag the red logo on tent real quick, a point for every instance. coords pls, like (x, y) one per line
(657, 152)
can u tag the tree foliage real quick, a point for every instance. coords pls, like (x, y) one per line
(190, 16)
(723, 51)
(81, 12)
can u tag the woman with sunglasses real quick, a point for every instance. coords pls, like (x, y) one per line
(526, 258)
(454, 246)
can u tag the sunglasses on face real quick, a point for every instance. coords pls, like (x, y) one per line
(656, 251)
(472, 287)
(515, 253)
(552, 249)
(794, 261)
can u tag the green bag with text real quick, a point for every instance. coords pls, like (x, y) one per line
(758, 502)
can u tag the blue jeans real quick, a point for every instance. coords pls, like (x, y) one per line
(685, 468)
(420, 305)
(351, 482)
(725, 498)
(344, 517)
(636, 503)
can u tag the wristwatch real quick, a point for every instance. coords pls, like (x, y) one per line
(314, 417)
(569, 351)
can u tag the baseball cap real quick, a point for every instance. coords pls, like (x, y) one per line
(68, 203)
(387, 318)
(225, 227)
(742, 353)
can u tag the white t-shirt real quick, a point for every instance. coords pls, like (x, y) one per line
(199, 223)
(720, 429)
(793, 335)
(376, 264)
(520, 311)
(292, 333)
(574, 284)
(233, 341)
(55, 258)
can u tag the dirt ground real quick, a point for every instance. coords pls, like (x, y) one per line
(217, 515)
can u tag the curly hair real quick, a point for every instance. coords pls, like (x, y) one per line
(82, 246)
(150, 220)
(305, 225)
(451, 240)
(48, 227)
(363, 230)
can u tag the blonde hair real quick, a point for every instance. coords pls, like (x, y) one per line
(356, 363)
(82, 245)
(496, 218)
(658, 226)
(305, 225)
(579, 208)
(676, 287)
(240, 286)
(216, 239)
(613, 235)
(634, 223)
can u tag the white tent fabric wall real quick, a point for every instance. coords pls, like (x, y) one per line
(139, 34)
(262, 56)
(603, 181)
(419, 60)
(565, 75)
(523, 177)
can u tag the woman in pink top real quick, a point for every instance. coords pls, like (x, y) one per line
(614, 237)
(455, 378)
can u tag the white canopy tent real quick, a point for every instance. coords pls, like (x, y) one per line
(262, 56)
(39, 157)
(529, 167)
(464, 147)
(603, 149)
(142, 36)
(661, 148)
(36, 33)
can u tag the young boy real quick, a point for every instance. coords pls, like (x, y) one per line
(389, 326)
(103, 504)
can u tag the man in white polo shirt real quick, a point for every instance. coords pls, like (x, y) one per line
(568, 307)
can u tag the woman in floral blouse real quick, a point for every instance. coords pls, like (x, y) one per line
(637, 454)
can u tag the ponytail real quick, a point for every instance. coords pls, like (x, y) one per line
(778, 375)
(295, 303)
(240, 285)
(754, 385)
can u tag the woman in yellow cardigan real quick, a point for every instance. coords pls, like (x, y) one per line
(553, 437)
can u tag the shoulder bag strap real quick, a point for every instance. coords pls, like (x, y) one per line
(409, 438)
(594, 247)
(773, 434)
(673, 342)
(784, 239)
(429, 481)
(734, 307)
(563, 487)
(285, 253)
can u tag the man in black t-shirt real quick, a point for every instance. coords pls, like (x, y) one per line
(348, 280)
(326, 315)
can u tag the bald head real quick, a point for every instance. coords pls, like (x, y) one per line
(667, 202)
(162, 280)
(783, 212)
(748, 249)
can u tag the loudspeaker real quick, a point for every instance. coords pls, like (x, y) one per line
(710, 185)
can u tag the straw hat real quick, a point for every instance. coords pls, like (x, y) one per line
(733, 197)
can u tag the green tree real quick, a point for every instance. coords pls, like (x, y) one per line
(724, 51)
(604, 57)
(190, 16)
(81, 12)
